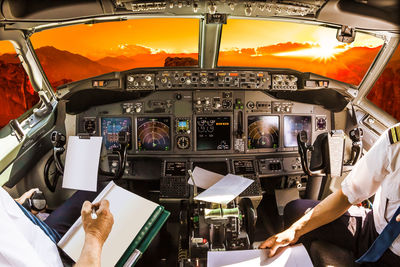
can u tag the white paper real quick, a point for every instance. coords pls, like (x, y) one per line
(82, 163)
(293, 256)
(130, 213)
(203, 178)
(225, 190)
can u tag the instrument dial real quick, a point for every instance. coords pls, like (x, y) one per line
(183, 142)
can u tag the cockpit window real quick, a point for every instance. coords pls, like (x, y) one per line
(385, 93)
(77, 52)
(303, 47)
(17, 93)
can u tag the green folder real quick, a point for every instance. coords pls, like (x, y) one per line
(144, 237)
(136, 222)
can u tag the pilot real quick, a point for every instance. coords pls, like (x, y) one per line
(335, 220)
(27, 241)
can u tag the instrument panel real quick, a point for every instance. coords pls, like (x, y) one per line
(208, 113)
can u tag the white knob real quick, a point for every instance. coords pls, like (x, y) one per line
(147, 78)
(207, 102)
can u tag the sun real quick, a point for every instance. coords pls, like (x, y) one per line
(324, 48)
(323, 52)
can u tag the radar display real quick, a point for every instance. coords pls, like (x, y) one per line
(153, 134)
(263, 132)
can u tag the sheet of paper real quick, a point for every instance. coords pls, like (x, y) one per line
(130, 211)
(203, 178)
(225, 190)
(82, 163)
(293, 256)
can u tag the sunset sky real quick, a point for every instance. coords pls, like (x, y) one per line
(181, 36)
(148, 42)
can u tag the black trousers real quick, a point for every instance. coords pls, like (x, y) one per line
(65, 216)
(355, 233)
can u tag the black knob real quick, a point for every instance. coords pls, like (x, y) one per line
(178, 96)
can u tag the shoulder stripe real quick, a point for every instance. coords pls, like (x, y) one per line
(394, 134)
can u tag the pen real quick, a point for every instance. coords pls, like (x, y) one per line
(94, 215)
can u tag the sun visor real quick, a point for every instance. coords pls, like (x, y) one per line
(50, 9)
(361, 15)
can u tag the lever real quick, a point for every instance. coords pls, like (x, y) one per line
(239, 132)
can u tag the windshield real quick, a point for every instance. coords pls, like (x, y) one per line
(81, 51)
(306, 48)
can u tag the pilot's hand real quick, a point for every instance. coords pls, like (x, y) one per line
(398, 218)
(98, 228)
(282, 239)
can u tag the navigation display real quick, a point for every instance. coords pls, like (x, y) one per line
(292, 126)
(153, 134)
(110, 127)
(263, 132)
(213, 133)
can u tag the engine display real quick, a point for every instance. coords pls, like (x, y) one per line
(263, 132)
(213, 133)
(292, 126)
(110, 127)
(153, 134)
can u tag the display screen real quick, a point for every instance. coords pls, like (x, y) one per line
(153, 134)
(110, 127)
(175, 169)
(292, 126)
(213, 133)
(263, 132)
(182, 126)
(243, 167)
(220, 167)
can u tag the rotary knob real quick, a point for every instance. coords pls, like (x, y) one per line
(147, 78)
(131, 78)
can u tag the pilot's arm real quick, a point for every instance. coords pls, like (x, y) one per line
(361, 183)
(96, 232)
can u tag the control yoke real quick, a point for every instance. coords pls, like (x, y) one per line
(302, 140)
(58, 140)
(356, 136)
(121, 151)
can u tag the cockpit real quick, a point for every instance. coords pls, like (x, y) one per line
(287, 94)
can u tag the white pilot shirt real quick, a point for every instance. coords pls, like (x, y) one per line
(22, 243)
(378, 172)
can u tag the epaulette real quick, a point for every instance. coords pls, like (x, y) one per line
(394, 134)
